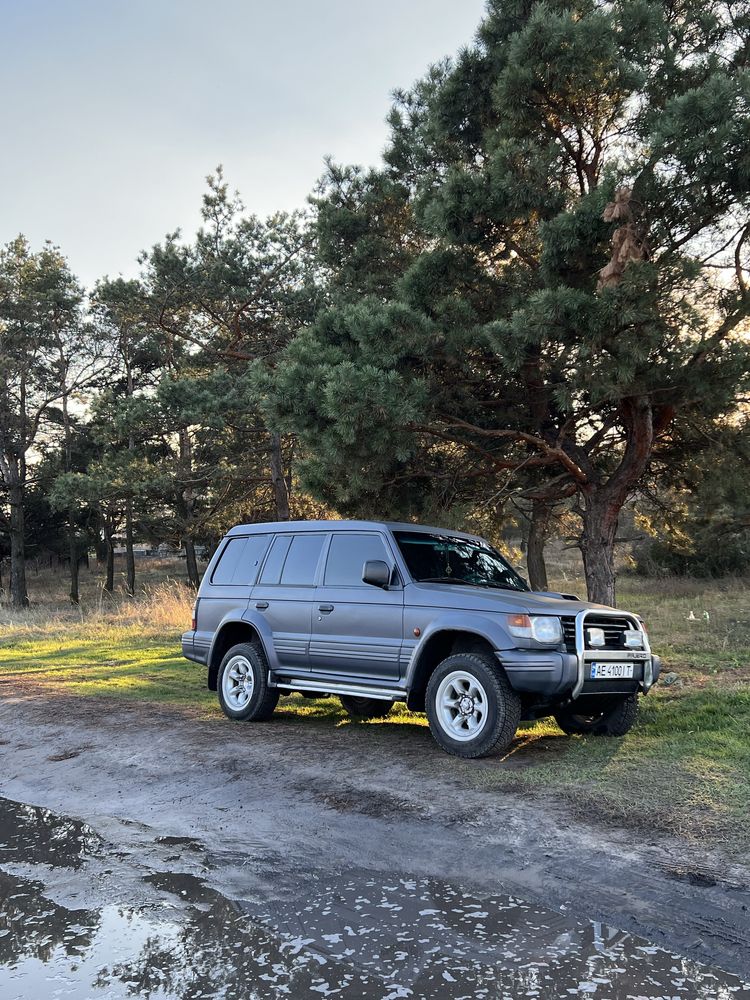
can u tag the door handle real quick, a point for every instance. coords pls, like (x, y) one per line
(325, 608)
(261, 605)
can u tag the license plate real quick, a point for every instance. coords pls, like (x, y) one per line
(611, 671)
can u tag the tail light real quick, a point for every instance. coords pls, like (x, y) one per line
(194, 618)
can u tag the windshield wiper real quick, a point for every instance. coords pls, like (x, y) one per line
(469, 583)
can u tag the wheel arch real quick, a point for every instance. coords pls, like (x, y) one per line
(440, 642)
(230, 633)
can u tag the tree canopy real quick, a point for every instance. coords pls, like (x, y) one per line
(547, 274)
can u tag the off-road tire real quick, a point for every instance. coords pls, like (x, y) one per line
(503, 706)
(263, 698)
(616, 720)
(366, 708)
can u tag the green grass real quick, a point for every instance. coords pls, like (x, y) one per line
(684, 769)
(115, 661)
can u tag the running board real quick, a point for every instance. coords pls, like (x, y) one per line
(357, 690)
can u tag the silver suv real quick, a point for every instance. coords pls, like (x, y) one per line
(379, 612)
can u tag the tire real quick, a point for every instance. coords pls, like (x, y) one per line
(478, 678)
(247, 659)
(366, 708)
(614, 719)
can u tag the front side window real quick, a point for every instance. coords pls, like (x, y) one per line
(347, 556)
(438, 558)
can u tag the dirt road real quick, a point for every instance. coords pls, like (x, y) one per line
(274, 810)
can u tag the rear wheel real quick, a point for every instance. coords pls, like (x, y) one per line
(615, 717)
(244, 693)
(366, 708)
(471, 707)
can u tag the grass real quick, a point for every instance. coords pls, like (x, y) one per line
(684, 769)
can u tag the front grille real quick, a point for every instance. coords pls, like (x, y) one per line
(569, 633)
(613, 631)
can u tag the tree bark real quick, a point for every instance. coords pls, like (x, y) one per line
(600, 519)
(109, 581)
(129, 554)
(75, 596)
(186, 502)
(278, 480)
(19, 597)
(538, 531)
(191, 563)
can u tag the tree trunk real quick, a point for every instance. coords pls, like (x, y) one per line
(129, 554)
(598, 550)
(186, 502)
(19, 597)
(75, 596)
(538, 531)
(278, 481)
(109, 581)
(603, 503)
(191, 563)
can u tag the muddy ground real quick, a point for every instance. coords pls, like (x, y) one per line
(282, 810)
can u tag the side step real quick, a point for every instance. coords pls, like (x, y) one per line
(358, 690)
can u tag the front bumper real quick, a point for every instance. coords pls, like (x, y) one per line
(551, 675)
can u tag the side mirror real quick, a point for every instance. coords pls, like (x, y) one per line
(376, 572)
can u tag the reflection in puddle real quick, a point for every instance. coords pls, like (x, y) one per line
(32, 835)
(363, 937)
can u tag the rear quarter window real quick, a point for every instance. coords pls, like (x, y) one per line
(239, 561)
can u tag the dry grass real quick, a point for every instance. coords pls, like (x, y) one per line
(161, 604)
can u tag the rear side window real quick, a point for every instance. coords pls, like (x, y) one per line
(302, 560)
(347, 556)
(275, 562)
(239, 561)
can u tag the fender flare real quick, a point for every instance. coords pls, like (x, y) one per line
(478, 624)
(244, 616)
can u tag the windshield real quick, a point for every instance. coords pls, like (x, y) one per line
(433, 558)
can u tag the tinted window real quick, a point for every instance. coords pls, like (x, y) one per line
(240, 560)
(229, 560)
(348, 554)
(301, 563)
(448, 559)
(273, 566)
(247, 567)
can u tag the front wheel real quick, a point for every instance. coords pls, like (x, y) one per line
(615, 717)
(244, 692)
(471, 707)
(366, 708)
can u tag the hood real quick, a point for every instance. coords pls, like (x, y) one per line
(463, 598)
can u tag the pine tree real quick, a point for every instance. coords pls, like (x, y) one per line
(549, 269)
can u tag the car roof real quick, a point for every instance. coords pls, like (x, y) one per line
(259, 527)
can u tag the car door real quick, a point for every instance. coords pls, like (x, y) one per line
(357, 629)
(284, 595)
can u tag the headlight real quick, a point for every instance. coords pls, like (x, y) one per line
(542, 628)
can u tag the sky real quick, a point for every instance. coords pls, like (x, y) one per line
(114, 111)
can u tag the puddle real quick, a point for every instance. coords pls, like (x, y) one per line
(364, 936)
(32, 835)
